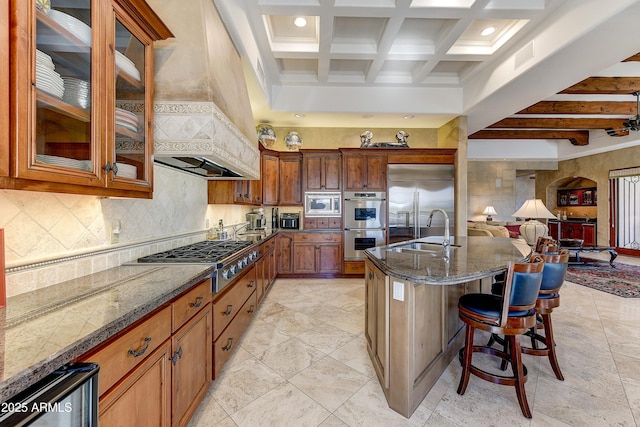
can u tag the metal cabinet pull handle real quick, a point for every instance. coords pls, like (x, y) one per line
(229, 310)
(177, 355)
(198, 302)
(136, 353)
(251, 309)
(250, 284)
(228, 346)
(370, 275)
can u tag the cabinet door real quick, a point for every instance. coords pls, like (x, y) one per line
(376, 172)
(129, 122)
(192, 364)
(305, 258)
(312, 172)
(589, 234)
(554, 230)
(143, 398)
(285, 245)
(290, 179)
(354, 168)
(377, 320)
(261, 277)
(221, 192)
(332, 172)
(273, 267)
(270, 179)
(330, 258)
(56, 132)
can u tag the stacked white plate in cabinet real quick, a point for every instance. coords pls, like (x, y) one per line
(127, 119)
(46, 78)
(77, 92)
(64, 161)
(75, 26)
(127, 65)
(127, 171)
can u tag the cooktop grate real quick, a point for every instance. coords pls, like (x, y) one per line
(201, 252)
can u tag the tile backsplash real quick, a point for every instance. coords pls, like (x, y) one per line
(51, 237)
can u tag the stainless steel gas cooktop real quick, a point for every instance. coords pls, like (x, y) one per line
(209, 251)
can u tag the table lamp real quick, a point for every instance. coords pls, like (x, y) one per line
(532, 229)
(488, 211)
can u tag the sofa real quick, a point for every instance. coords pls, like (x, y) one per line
(484, 229)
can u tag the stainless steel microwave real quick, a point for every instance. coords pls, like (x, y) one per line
(323, 204)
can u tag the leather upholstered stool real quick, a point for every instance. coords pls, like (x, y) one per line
(510, 314)
(555, 269)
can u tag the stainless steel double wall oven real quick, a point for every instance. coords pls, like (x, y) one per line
(365, 222)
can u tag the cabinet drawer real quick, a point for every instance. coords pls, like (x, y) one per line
(226, 343)
(120, 356)
(267, 246)
(190, 303)
(317, 237)
(229, 303)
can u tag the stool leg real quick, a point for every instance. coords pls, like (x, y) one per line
(466, 359)
(551, 346)
(518, 373)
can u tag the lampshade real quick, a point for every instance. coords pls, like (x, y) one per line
(533, 208)
(488, 211)
(532, 229)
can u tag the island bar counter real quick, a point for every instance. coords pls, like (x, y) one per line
(411, 308)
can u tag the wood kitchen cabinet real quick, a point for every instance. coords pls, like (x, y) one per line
(91, 131)
(321, 170)
(290, 179)
(243, 192)
(232, 311)
(191, 365)
(284, 248)
(376, 328)
(270, 177)
(364, 171)
(317, 253)
(322, 223)
(570, 230)
(156, 372)
(265, 267)
(589, 234)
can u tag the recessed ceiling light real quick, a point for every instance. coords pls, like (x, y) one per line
(488, 31)
(299, 115)
(299, 21)
(367, 116)
(408, 116)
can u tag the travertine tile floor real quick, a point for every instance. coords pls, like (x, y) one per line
(303, 362)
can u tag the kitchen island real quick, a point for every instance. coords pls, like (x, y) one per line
(411, 307)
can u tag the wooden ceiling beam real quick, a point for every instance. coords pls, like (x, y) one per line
(578, 107)
(575, 137)
(605, 85)
(558, 123)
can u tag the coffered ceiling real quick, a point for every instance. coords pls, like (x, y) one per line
(541, 74)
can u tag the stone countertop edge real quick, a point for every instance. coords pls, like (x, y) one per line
(476, 265)
(19, 381)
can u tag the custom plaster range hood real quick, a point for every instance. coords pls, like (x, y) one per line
(202, 112)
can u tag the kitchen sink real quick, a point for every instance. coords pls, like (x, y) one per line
(252, 234)
(425, 248)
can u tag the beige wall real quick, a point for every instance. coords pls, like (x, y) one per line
(333, 138)
(494, 183)
(596, 168)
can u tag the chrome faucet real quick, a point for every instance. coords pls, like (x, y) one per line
(238, 227)
(447, 238)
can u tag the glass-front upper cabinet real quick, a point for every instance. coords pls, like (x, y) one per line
(81, 96)
(62, 133)
(130, 104)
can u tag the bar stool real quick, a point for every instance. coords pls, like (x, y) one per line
(511, 314)
(555, 269)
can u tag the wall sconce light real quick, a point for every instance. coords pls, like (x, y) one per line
(488, 211)
(266, 135)
(293, 141)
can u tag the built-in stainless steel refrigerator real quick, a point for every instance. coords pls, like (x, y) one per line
(413, 192)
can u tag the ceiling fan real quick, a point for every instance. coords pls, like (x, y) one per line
(632, 124)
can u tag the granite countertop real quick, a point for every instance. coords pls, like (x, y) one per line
(472, 258)
(44, 329)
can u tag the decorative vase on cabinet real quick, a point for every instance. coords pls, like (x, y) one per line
(82, 81)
